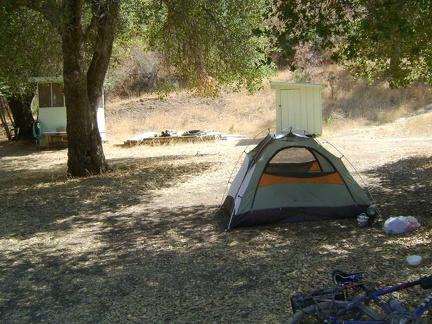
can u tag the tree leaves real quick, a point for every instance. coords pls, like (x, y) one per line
(31, 48)
(377, 40)
(213, 42)
(391, 42)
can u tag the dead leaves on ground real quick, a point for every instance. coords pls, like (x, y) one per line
(99, 250)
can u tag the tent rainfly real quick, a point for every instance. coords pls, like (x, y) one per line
(289, 178)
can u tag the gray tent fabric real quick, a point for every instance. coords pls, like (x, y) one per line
(288, 178)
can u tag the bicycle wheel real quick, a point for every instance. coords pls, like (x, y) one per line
(325, 312)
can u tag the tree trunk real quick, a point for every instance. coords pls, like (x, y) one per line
(85, 151)
(22, 115)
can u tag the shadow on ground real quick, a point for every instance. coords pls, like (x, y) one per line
(34, 201)
(116, 257)
(403, 188)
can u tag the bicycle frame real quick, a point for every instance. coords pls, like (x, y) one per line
(374, 296)
(417, 313)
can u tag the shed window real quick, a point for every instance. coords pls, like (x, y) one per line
(50, 95)
(57, 95)
(44, 92)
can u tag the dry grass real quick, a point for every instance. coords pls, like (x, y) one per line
(230, 113)
(347, 104)
(375, 103)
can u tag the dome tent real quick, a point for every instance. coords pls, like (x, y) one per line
(288, 178)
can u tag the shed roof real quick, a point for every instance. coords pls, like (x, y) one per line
(292, 85)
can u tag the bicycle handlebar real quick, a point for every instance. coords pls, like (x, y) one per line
(342, 278)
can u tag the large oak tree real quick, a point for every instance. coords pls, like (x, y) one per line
(210, 43)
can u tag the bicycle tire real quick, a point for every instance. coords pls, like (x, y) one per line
(322, 312)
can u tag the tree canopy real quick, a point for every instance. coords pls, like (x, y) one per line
(220, 40)
(380, 40)
(31, 48)
(391, 40)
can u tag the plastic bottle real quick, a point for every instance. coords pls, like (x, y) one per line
(397, 306)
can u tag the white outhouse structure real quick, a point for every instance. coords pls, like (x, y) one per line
(52, 112)
(298, 106)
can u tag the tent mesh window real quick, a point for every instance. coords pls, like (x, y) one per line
(298, 160)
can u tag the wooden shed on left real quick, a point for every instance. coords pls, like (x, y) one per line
(51, 112)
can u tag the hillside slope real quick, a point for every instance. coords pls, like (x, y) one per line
(347, 104)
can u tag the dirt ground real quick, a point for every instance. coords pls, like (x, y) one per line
(146, 243)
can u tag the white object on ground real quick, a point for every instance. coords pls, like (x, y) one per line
(414, 260)
(401, 224)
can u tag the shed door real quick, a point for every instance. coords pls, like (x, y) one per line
(290, 109)
(300, 109)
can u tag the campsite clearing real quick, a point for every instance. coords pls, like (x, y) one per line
(145, 243)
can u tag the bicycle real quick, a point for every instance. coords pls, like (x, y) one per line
(349, 302)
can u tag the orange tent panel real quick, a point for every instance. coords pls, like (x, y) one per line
(332, 178)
